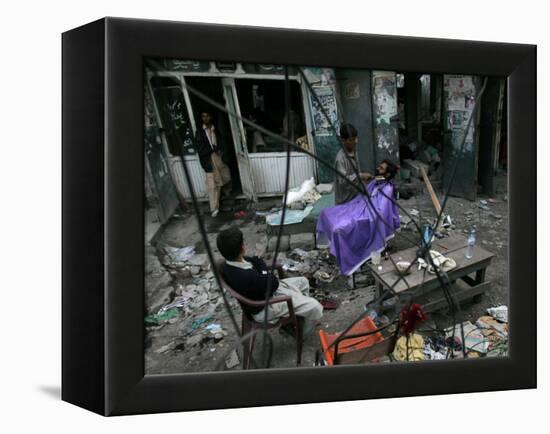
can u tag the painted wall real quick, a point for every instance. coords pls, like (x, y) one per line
(384, 101)
(326, 141)
(490, 123)
(355, 97)
(459, 95)
(156, 165)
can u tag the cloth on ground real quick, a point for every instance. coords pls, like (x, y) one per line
(441, 262)
(291, 216)
(354, 230)
(410, 349)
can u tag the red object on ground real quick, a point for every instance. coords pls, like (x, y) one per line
(348, 345)
(329, 303)
(410, 317)
(240, 214)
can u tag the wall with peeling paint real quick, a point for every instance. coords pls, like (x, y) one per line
(384, 101)
(459, 94)
(355, 101)
(326, 141)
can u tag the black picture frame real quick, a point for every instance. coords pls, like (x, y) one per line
(103, 222)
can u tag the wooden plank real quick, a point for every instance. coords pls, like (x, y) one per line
(461, 295)
(387, 275)
(455, 248)
(433, 196)
(415, 279)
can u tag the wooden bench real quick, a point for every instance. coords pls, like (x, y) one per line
(468, 275)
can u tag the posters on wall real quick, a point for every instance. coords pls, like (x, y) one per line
(460, 100)
(319, 76)
(327, 97)
(352, 90)
(385, 96)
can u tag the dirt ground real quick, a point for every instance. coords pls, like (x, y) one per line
(200, 336)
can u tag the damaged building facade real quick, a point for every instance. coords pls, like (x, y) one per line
(411, 118)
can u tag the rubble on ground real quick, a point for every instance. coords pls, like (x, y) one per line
(188, 328)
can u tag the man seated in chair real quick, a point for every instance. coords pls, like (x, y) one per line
(362, 226)
(249, 276)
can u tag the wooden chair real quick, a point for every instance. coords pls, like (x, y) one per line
(363, 343)
(249, 324)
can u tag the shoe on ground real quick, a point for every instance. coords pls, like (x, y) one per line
(215, 212)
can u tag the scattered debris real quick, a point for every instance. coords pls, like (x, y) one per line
(194, 340)
(483, 205)
(232, 360)
(491, 328)
(165, 348)
(415, 166)
(324, 188)
(158, 318)
(216, 331)
(295, 194)
(409, 348)
(194, 305)
(199, 260)
(500, 349)
(500, 313)
(179, 302)
(200, 321)
(329, 303)
(183, 254)
(266, 213)
(390, 302)
(405, 220)
(435, 348)
(323, 276)
(474, 338)
(302, 254)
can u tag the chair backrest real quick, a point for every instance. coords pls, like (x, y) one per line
(364, 342)
(219, 266)
(375, 351)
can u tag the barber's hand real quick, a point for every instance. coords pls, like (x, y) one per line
(365, 176)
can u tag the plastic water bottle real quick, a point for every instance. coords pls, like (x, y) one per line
(427, 234)
(373, 315)
(471, 243)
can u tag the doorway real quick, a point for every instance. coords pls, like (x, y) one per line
(263, 101)
(213, 88)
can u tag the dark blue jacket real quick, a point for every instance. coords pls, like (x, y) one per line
(251, 283)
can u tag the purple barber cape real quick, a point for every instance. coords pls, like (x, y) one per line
(354, 230)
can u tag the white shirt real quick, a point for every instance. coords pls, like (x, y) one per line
(210, 135)
(245, 265)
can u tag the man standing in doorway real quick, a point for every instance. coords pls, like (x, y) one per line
(213, 158)
(346, 163)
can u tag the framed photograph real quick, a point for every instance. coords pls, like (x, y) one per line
(256, 216)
